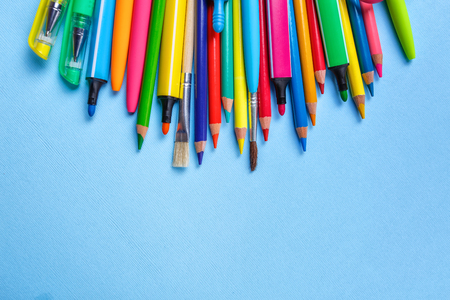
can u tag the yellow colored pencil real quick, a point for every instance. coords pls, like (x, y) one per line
(353, 71)
(304, 43)
(240, 85)
(169, 78)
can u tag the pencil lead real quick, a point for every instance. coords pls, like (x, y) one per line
(227, 116)
(281, 109)
(313, 119)
(303, 141)
(379, 68)
(370, 86)
(253, 155)
(140, 141)
(200, 157)
(91, 110)
(215, 138)
(344, 95)
(165, 128)
(266, 134)
(362, 112)
(241, 145)
(322, 87)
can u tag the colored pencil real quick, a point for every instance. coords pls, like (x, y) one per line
(265, 109)
(181, 148)
(201, 85)
(215, 113)
(309, 84)
(218, 18)
(251, 38)
(280, 59)
(240, 84)
(138, 46)
(296, 86)
(362, 45)
(334, 42)
(353, 71)
(226, 44)
(99, 62)
(320, 68)
(400, 18)
(373, 37)
(120, 42)
(151, 63)
(171, 55)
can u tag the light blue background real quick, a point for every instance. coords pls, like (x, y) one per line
(363, 214)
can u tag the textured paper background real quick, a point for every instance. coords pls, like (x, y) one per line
(363, 214)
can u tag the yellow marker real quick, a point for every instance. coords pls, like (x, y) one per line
(240, 85)
(169, 78)
(304, 43)
(353, 71)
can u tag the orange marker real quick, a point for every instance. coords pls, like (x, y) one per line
(120, 42)
(215, 117)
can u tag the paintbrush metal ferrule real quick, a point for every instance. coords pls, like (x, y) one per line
(253, 115)
(182, 134)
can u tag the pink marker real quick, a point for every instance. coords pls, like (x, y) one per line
(138, 47)
(372, 36)
(279, 49)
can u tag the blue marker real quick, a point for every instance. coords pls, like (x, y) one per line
(100, 51)
(296, 84)
(218, 16)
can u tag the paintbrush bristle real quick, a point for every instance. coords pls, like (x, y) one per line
(253, 155)
(181, 155)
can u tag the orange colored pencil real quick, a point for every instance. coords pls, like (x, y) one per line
(215, 117)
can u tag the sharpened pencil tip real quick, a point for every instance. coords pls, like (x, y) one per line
(165, 128)
(379, 68)
(215, 138)
(140, 141)
(362, 110)
(241, 145)
(91, 110)
(281, 109)
(303, 141)
(266, 134)
(344, 95)
(322, 88)
(227, 116)
(313, 119)
(200, 157)
(370, 86)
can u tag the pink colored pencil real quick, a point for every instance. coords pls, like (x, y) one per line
(138, 47)
(279, 49)
(372, 36)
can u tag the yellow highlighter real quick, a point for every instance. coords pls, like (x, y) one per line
(169, 78)
(353, 71)
(46, 26)
(240, 84)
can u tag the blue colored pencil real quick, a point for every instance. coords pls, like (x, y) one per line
(201, 86)
(296, 84)
(361, 43)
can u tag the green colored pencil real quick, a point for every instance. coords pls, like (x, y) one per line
(334, 42)
(151, 63)
(227, 60)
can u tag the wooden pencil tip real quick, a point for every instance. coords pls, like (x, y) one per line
(215, 137)
(266, 134)
(253, 155)
(241, 145)
(362, 110)
(313, 119)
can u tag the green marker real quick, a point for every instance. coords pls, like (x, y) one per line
(334, 42)
(151, 62)
(400, 18)
(76, 33)
(227, 60)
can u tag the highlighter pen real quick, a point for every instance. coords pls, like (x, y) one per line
(362, 45)
(353, 71)
(169, 77)
(99, 61)
(264, 105)
(279, 50)
(150, 66)
(138, 46)
(297, 92)
(76, 32)
(120, 42)
(226, 43)
(201, 83)
(252, 44)
(240, 85)
(334, 42)
(373, 36)
(218, 19)
(181, 147)
(46, 25)
(400, 18)
(215, 113)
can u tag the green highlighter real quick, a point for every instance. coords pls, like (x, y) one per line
(334, 42)
(76, 33)
(400, 18)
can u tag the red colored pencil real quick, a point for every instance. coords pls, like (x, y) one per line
(265, 110)
(316, 45)
(215, 113)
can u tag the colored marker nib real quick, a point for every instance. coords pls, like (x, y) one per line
(241, 145)
(266, 134)
(165, 128)
(281, 109)
(344, 95)
(215, 138)
(303, 141)
(322, 88)
(91, 110)
(140, 141)
(200, 157)
(379, 68)
(370, 86)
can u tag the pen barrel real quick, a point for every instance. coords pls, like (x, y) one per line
(253, 115)
(184, 110)
(400, 18)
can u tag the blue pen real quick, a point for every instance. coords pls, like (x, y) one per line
(219, 15)
(296, 84)
(361, 43)
(100, 50)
